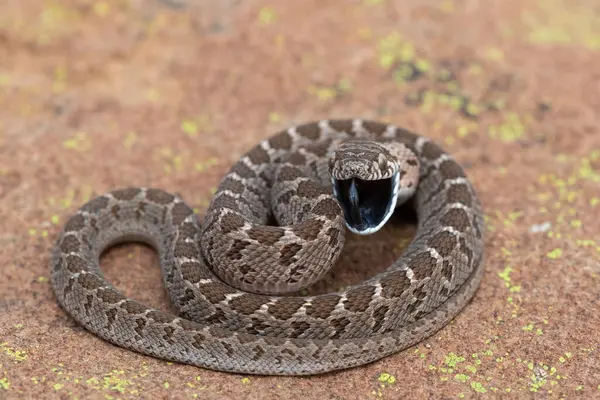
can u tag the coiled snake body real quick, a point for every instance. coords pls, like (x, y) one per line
(312, 179)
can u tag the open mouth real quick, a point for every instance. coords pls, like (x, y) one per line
(367, 205)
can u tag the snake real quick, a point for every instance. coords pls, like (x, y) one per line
(275, 224)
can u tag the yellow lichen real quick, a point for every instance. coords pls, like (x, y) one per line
(387, 378)
(80, 142)
(511, 129)
(101, 8)
(478, 387)
(204, 165)
(189, 127)
(392, 48)
(130, 139)
(325, 93)
(446, 6)
(17, 355)
(494, 54)
(267, 15)
(554, 254)
(4, 383)
(274, 117)
(452, 359)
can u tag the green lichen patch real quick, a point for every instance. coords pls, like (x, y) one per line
(329, 93)
(80, 141)
(174, 162)
(436, 86)
(452, 360)
(12, 353)
(4, 381)
(116, 383)
(512, 127)
(130, 139)
(71, 199)
(564, 201)
(478, 387)
(267, 15)
(387, 378)
(193, 126)
(384, 382)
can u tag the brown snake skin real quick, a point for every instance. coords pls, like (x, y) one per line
(242, 326)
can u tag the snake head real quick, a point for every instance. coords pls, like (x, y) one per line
(367, 180)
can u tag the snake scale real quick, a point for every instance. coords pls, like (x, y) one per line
(275, 224)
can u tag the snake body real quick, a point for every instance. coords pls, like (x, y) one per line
(226, 274)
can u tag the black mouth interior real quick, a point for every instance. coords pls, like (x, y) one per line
(365, 203)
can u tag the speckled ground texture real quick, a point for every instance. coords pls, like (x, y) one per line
(99, 95)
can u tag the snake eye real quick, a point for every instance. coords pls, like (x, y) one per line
(331, 164)
(382, 161)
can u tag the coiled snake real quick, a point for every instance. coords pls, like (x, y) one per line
(313, 180)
